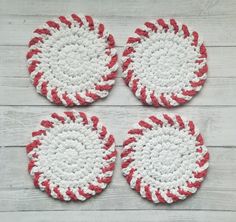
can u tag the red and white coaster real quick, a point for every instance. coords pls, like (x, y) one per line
(72, 60)
(72, 156)
(165, 63)
(164, 158)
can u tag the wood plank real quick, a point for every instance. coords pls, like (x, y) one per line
(17, 30)
(115, 216)
(112, 8)
(19, 91)
(221, 61)
(221, 175)
(217, 191)
(16, 88)
(217, 124)
(216, 23)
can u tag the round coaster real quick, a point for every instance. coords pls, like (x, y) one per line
(72, 60)
(165, 63)
(164, 158)
(72, 156)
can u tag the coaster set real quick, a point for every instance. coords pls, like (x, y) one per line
(164, 158)
(165, 63)
(72, 61)
(72, 156)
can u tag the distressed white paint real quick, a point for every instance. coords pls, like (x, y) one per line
(213, 110)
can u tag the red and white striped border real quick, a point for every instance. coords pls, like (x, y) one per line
(110, 152)
(135, 179)
(106, 82)
(141, 91)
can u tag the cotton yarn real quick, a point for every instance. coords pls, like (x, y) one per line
(165, 63)
(72, 156)
(164, 158)
(72, 60)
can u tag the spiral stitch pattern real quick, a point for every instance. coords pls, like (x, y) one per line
(164, 158)
(72, 156)
(72, 60)
(165, 63)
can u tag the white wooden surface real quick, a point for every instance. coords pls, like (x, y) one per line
(213, 109)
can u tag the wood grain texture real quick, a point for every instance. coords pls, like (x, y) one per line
(213, 110)
(122, 8)
(20, 91)
(17, 191)
(217, 124)
(215, 31)
(221, 61)
(16, 88)
(216, 180)
(115, 216)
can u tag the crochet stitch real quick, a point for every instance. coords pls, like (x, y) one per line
(72, 156)
(165, 63)
(164, 158)
(72, 60)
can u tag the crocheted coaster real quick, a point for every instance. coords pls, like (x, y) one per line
(72, 156)
(164, 158)
(165, 64)
(72, 60)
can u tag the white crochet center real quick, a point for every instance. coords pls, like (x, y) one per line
(71, 155)
(165, 62)
(73, 59)
(165, 157)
